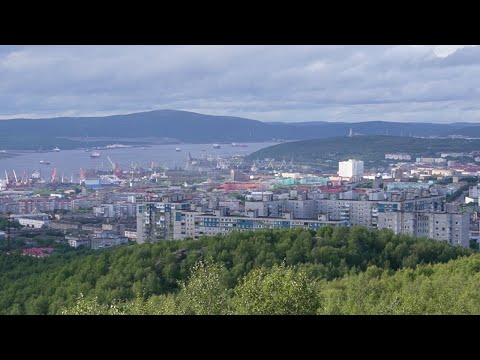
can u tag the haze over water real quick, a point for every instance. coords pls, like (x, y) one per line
(69, 162)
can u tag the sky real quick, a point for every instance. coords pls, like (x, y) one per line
(408, 83)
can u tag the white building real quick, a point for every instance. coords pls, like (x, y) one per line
(397, 156)
(79, 242)
(33, 223)
(131, 234)
(350, 169)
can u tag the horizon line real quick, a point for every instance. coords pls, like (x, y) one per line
(126, 113)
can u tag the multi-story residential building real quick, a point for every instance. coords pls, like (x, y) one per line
(155, 220)
(352, 169)
(450, 227)
(397, 156)
(62, 225)
(211, 224)
(301, 209)
(77, 242)
(106, 239)
(356, 212)
(25, 206)
(272, 208)
(122, 210)
(131, 234)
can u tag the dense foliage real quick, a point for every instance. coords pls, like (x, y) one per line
(149, 272)
(438, 289)
(364, 147)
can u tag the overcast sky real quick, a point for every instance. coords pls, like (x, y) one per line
(268, 83)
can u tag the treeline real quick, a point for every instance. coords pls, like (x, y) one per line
(450, 288)
(49, 285)
(367, 147)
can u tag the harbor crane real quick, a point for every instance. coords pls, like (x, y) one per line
(117, 171)
(54, 175)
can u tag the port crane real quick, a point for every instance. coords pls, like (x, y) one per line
(117, 171)
(54, 175)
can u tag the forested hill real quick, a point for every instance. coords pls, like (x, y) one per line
(183, 126)
(363, 147)
(149, 272)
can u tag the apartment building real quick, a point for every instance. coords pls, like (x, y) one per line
(155, 220)
(450, 227)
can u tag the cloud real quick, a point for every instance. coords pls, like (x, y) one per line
(271, 83)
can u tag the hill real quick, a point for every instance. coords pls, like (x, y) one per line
(189, 127)
(371, 148)
(143, 272)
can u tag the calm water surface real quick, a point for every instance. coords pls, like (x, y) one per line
(69, 162)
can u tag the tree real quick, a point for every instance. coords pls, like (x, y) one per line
(205, 292)
(277, 291)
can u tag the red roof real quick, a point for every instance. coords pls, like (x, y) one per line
(38, 252)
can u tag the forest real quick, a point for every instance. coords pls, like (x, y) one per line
(334, 270)
(366, 147)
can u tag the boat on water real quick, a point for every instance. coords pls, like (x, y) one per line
(178, 149)
(45, 162)
(117, 146)
(95, 155)
(239, 145)
(56, 149)
(216, 146)
(3, 151)
(143, 148)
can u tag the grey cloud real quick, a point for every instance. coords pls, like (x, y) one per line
(271, 83)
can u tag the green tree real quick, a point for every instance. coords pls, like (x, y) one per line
(205, 292)
(277, 291)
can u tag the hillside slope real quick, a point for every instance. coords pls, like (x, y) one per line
(48, 285)
(363, 148)
(183, 126)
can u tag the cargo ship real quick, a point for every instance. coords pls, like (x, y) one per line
(44, 162)
(216, 146)
(95, 155)
(56, 149)
(178, 149)
(239, 145)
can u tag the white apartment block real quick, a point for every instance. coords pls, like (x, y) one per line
(397, 156)
(350, 169)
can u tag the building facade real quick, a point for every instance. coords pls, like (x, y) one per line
(350, 169)
(450, 227)
(155, 220)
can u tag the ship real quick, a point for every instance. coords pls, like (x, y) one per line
(95, 155)
(56, 149)
(45, 162)
(216, 146)
(178, 149)
(239, 145)
(117, 146)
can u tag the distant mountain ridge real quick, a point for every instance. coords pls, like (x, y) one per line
(189, 127)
